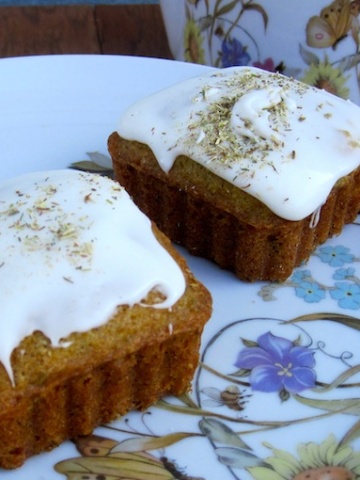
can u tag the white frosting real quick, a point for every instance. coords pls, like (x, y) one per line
(73, 246)
(281, 141)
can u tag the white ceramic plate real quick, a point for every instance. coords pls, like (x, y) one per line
(295, 406)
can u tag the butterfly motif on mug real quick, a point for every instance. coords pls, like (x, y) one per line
(101, 459)
(333, 24)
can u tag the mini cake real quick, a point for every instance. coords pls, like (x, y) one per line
(247, 168)
(99, 313)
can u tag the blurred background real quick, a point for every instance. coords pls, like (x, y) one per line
(72, 2)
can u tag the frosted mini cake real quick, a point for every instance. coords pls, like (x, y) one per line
(250, 169)
(99, 314)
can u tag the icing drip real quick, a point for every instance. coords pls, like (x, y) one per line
(73, 246)
(285, 142)
(315, 217)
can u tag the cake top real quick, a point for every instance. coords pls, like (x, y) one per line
(73, 246)
(281, 141)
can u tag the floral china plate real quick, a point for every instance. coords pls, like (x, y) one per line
(314, 41)
(276, 395)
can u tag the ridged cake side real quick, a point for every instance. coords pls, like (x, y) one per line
(70, 407)
(218, 221)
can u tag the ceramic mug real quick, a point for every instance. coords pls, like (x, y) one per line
(316, 41)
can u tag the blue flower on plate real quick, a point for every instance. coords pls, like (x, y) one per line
(300, 276)
(310, 291)
(344, 273)
(335, 256)
(277, 364)
(233, 53)
(347, 294)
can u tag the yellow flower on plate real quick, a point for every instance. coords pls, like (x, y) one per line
(327, 460)
(193, 41)
(323, 75)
